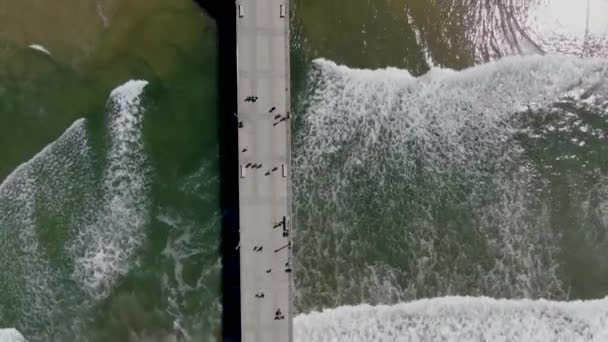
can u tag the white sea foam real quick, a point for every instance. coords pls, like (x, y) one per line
(35, 186)
(459, 319)
(496, 29)
(11, 335)
(40, 48)
(104, 222)
(442, 95)
(105, 247)
(408, 187)
(101, 13)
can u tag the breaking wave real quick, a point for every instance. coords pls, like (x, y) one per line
(11, 335)
(191, 265)
(65, 236)
(27, 274)
(105, 247)
(481, 182)
(459, 319)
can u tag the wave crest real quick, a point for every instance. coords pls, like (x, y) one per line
(459, 319)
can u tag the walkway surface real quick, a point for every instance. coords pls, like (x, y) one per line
(264, 158)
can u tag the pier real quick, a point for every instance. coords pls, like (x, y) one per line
(264, 140)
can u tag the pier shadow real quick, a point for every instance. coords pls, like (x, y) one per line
(223, 12)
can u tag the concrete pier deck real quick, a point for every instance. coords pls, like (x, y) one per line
(264, 158)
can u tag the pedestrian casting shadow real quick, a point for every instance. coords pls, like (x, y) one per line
(223, 12)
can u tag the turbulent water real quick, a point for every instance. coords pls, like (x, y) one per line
(463, 176)
(101, 224)
(71, 231)
(489, 181)
(104, 246)
(463, 186)
(99, 243)
(459, 319)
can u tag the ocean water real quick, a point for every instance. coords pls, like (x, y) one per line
(11, 335)
(450, 174)
(487, 181)
(109, 172)
(76, 234)
(459, 319)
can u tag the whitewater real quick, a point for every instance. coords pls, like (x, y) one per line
(459, 319)
(426, 187)
(11, 335)
(103, 236)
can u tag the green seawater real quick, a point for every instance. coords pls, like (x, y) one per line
(111, 233)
